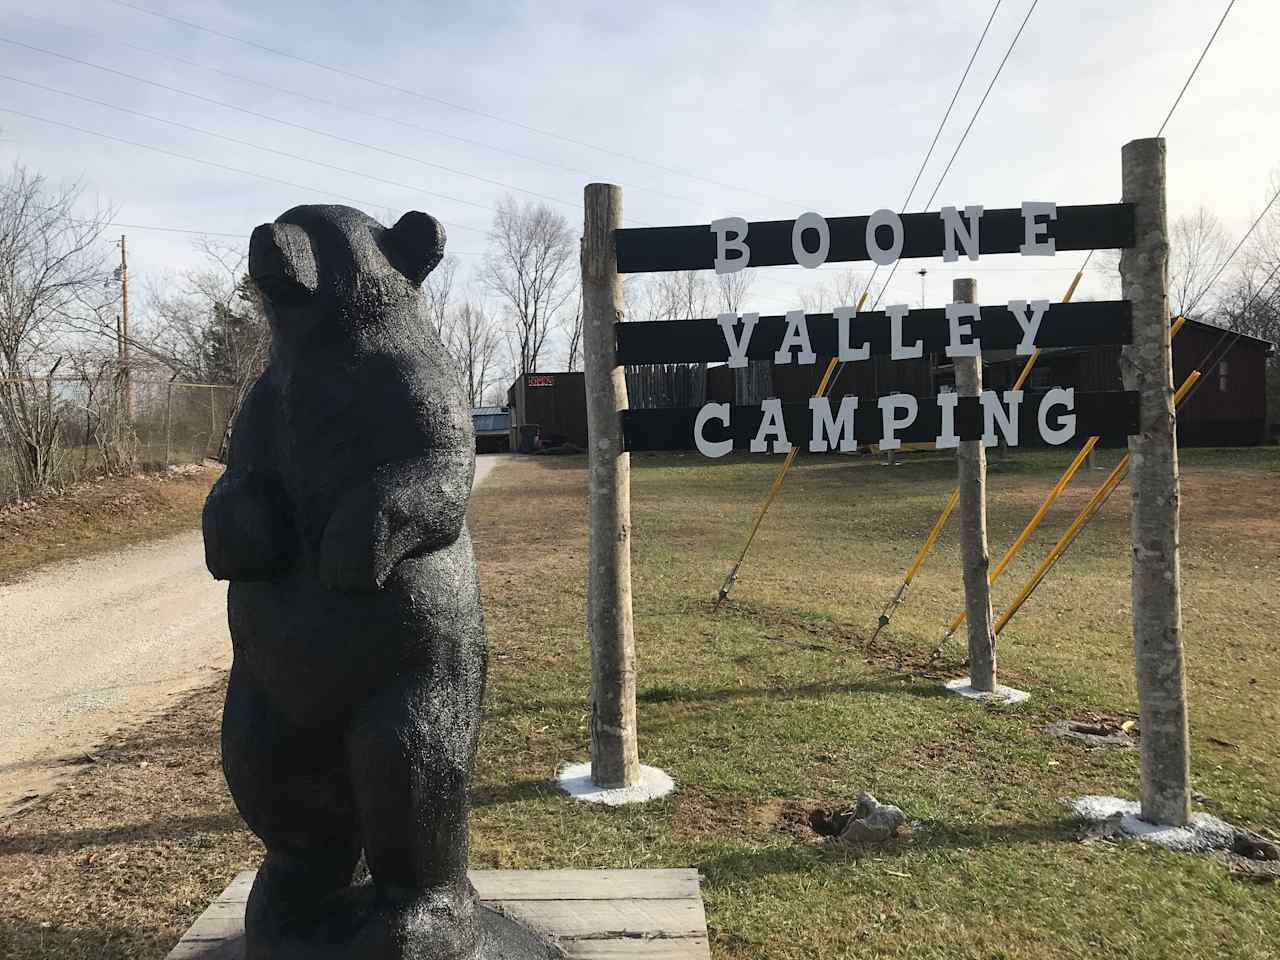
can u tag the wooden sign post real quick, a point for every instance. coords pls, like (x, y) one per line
(971, 461)
(614, 754)
(1153, 490)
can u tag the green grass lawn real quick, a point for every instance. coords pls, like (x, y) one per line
(771, 703)
(771, 706)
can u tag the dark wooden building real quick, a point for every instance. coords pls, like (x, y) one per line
(1229, 408)
(547, 410)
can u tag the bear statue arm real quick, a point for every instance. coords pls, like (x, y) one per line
(247, 532)
(408, 507)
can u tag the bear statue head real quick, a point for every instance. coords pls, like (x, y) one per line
(331, 270)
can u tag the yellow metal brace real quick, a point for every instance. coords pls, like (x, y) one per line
(1060, 486)
(732, 578)
(1095, 503)
(887, 613)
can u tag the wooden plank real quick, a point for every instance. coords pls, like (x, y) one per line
(550, 885)
(1083, 324)
(1085, 227)
(594, 914)
(1111, 414)
(683, 948)
(586, 884)
(610, 919)
(230, 948)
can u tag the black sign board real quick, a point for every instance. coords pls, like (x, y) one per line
(1087, 324)
(1088, 227)
(1036, 229)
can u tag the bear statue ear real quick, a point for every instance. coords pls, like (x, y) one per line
(415, 245)
(282, 262)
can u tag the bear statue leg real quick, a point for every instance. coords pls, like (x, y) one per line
(411, 751)
(295, 794)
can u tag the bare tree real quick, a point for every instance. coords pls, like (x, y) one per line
(1198, 249)
(208, 324)
(839, 290)
(528, 267)
(751, 383)
(473, 344)
(106, 427)
(686, 294)
(733, 289)
(437, 291)
(52, 268)
(679, 295)
(643, 298)
(573, 335)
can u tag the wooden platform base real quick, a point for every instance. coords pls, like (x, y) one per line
(594, 914)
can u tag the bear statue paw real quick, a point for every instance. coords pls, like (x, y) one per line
(357, 924)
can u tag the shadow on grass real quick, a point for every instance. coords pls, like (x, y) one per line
(924, 686)
(172, 828)
(492, 795)
(891, 684)
(747, 864)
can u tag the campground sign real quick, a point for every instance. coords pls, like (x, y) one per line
(1036, 229)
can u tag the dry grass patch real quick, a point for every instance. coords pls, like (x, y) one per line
(93, 516)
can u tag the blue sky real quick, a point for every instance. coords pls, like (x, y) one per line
(700, 110)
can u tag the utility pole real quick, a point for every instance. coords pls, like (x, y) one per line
(122, 335)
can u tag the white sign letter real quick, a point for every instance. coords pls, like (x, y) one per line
(891, 422)
(993, 412)
(846, 351)
(1034, 243)
(797, 335)
(1030, 324)
(771, 424)
(948, 439)
(898, 350)
(737, 243)
(884, 255)
(825, 429)
(957, 346)
(711, 411)
(953, 228)
(810, 221)
(737, 344)
(1058, 396)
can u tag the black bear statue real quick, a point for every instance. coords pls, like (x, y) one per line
(353, 707)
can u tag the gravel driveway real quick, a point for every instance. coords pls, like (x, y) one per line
(88, 646)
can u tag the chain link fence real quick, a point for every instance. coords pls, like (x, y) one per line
(161, 423)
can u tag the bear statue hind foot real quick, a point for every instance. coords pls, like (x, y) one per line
(358, 924)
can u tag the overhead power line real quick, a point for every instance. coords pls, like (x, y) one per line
(418, 94)
(1213, 36)
(965, 136)
(1231, 256)
(357, 111)
(828, 380)
(299, 126)
(245, 143)
(215, 164)
(928, 154)
(954, 96)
